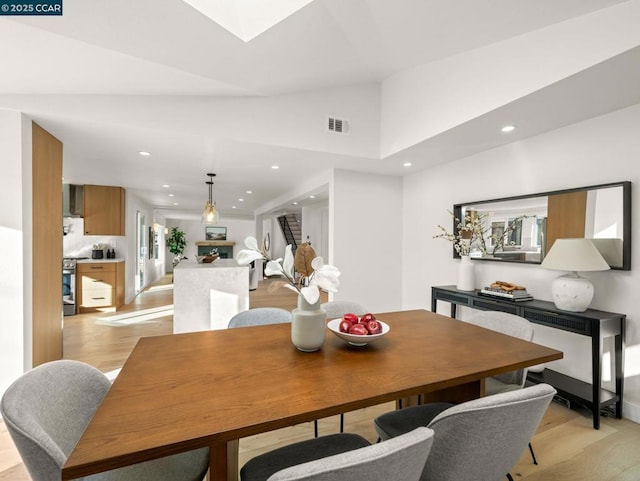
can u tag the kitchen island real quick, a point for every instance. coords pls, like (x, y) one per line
(206, 296)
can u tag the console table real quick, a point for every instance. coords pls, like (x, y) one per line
(593, 323)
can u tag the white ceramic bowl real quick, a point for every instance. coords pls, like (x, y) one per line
(354, 339)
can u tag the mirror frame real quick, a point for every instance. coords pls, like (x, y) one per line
(626, 218)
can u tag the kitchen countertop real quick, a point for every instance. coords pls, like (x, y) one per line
(93, 261)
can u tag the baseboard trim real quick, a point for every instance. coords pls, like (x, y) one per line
(631, 411)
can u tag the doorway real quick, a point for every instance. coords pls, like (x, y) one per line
(141, 250)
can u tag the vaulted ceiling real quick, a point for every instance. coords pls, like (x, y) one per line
(419, 81)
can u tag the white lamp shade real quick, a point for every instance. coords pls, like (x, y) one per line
(572, 292)
(577, 255)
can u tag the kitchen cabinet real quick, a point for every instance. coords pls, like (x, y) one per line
(103, 210)
(100, 285)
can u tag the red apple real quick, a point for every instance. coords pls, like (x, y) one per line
(374, 327)
(345, 325)
(367, 317)
(350, 317)
(358, 329)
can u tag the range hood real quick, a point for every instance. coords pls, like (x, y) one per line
(72, 200)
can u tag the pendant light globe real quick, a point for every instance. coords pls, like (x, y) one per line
(210, 214)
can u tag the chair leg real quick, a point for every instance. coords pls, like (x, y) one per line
(315, 426)
(533, 456)
(509, 477)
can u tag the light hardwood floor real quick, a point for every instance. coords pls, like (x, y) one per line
(567, 447)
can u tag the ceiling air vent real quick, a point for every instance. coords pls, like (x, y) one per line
(339, 126)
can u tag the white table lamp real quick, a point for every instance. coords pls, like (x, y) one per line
(572, 292)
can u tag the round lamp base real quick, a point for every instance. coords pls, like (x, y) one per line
(572, 292)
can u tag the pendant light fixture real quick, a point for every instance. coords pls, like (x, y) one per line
(210, 214)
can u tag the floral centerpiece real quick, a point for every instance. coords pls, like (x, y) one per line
(309, 320)
(322, 276)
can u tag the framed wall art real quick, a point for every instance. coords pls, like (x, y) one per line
(215, 233)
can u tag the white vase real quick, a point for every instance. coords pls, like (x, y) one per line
(466, 274)
(308, 326)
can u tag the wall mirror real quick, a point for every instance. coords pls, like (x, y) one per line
(523, 228)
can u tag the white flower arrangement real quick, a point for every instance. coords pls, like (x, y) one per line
(465, 234)
(324, 276)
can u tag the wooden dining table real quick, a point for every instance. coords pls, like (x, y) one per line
(186, 391)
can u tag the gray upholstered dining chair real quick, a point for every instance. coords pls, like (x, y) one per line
(511, 325)
(46, 411)
(259, 316)
(344, 457)
(514, 326)
(479, 439)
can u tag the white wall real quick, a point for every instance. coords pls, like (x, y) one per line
(601, 150)
(237, 231)
(153, 269)
(15, 281)
(365, 238)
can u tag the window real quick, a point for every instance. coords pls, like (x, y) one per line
(514, 236)
(497, 231)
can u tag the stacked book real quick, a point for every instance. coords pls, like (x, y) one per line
(506, 290)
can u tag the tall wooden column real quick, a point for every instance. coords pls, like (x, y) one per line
(47, 246)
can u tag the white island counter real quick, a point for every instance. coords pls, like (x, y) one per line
(206, 296)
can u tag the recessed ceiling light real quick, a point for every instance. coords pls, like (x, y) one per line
(233, 206)
(407, 164)
(508, 128)
(240, 200)
(166, 186)
(312, 197)
(294, 203)
(175, 203)
(144, 153)
(172, 195)
(249, 192)
(275, 167)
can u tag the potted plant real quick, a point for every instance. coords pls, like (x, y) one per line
(176, 243)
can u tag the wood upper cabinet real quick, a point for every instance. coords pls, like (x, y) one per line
(99, 285)
(103, 210)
